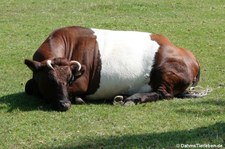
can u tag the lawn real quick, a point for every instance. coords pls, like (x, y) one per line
(26, 122)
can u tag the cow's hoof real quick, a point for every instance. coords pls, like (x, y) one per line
(79, 101)
(118, 100)
(129, 103)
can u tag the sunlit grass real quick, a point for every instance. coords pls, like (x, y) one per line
(26, 122)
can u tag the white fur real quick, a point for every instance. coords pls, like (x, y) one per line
(127, 58)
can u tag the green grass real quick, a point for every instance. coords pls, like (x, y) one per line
(26, 122)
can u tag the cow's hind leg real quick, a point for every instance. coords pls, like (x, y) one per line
(142, 97)
(137, 98)
(119, 99)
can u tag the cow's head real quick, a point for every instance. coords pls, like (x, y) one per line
(51, 79)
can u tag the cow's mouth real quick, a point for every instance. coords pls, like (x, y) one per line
(64, 105)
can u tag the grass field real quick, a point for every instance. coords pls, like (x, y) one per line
(26, 122)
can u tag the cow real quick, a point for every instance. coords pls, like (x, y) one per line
(97, 64)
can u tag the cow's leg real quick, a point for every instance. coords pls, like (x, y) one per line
(119, 99)
(136, 98)
(165, 92)
(160, 93)
(142, 97)
(79, 87)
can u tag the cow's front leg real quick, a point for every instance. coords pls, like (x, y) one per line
(79, 87)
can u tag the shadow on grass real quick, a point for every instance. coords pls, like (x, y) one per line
(213, 135)
(218, 102)
(24, 102)
(205, 108)
(21, 101)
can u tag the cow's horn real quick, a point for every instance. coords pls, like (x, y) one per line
(49, 64)
(77, 63)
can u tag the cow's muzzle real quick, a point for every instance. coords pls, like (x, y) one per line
(64, 105)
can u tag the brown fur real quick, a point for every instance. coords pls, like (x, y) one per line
(174, 68)
(62, 46)
(173, 71)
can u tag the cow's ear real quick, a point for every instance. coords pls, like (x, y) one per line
(33, 65)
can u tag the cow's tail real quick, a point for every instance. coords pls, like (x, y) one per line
(196, 92)
(197, 78)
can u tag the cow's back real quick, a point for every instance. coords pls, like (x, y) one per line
(127, 58)
(63, 42)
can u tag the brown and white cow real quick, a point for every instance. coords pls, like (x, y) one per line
(96, 64)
